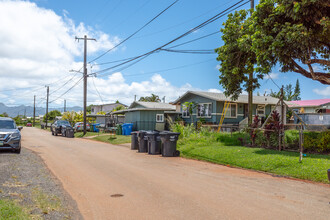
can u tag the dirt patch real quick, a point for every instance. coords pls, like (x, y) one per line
(25, 179)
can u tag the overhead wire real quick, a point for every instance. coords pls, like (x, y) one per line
(126, 39)
(212, 19)
(67, 90)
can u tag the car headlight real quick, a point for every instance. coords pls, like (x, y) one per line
(15, 135)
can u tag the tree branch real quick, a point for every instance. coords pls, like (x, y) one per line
(320, 61)
(323, 78)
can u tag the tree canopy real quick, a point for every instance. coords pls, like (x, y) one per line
(295, 35)
(152, 98)
(236, 57)
(289, 94)
(52, 115)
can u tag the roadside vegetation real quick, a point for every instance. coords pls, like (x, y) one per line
(227, 149)
(11, 210)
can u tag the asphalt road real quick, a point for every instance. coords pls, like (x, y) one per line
(113, 182)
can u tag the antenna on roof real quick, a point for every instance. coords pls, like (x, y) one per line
(164, 99)
(134, 98)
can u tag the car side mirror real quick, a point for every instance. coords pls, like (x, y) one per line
(19, 128)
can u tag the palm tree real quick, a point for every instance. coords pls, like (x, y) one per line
(152, 98)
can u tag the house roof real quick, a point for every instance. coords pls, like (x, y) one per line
(309, 103)
(112, 104)
(147, 106)
(222, 97)
(153, 105)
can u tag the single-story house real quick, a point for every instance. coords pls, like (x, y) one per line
(148, 115)
(105, 108)
(107, 120)
(312, 112)
(311, 106)
(209, 107)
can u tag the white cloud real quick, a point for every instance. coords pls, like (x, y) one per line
(214, 90)
(324, 92)
(272, 75)
(38, 46)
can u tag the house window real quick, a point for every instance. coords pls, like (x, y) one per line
(260, 110)
(160, 118)
(185, 112)
(231, 111)
(204, 110)
(92, 109)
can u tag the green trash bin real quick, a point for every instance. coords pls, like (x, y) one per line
(119, 129)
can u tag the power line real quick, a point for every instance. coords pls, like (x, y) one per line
(67, 90)
(97, 91)
(174, 68)
(190, 51)
(126, 39)
(212, 19)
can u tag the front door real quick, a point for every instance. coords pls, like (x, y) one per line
(246, 110)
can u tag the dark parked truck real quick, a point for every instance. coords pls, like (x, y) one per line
(10, 135)
(62, 127)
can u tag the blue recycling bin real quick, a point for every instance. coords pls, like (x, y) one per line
(96, 129)
(127, 128)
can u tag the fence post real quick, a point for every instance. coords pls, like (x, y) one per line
(301, 143)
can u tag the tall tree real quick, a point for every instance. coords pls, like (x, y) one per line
(295, 35)
(237, 60)
(288, 93)
(152, 98)
(297, 91)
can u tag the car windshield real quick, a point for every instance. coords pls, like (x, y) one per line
(7, 124)
(63, 123)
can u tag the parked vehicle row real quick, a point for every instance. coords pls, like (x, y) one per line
(79, 126)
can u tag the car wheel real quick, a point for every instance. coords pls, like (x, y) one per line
(55, 133)
(52, 132)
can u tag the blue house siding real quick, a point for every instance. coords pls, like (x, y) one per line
(142, 120)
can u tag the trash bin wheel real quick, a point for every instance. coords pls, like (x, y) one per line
(177, 153)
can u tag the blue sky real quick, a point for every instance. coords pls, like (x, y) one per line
(110, 22)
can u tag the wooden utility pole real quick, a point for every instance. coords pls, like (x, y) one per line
(34, 110)
(64, 105)
(85, 77)
(47, 107)
(250, 90)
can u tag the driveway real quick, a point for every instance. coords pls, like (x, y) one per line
(113, 182)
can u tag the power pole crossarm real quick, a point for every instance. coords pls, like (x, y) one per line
(85, 76)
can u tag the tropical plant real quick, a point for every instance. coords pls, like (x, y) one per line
(51, 115)
(152, 98)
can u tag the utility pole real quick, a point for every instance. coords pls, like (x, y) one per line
(85, 76)
(47, 106)
(281, 138)
(34, 110)
(250, 90)
(64, 105)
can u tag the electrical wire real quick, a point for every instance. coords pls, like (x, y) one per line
(212, 19)
(170, 69)
(97, 91)
(190, 51)
(126, 39)
(67, 90)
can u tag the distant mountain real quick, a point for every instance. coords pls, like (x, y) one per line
(28, 110)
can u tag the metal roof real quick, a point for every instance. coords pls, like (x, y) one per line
(222, 97)
(153, 105)
(309, 103)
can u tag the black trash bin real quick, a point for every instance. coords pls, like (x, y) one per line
(154, 142)
(69, 133)
(134, 140)
(169, 140)
(143, 142)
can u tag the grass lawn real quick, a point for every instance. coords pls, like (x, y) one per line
(88, 134)
(313, 167)
(120, 139)
(10, 210)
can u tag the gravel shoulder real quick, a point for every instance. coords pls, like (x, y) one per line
(25, 179)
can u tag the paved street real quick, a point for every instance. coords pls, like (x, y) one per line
(96, 174)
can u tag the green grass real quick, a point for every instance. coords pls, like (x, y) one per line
(215, 148)
(120, 139)
(10, 210)
(88, 134)
(45, 202)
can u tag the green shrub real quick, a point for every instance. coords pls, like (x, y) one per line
(317, 141)
(324, 142)
(292, 139)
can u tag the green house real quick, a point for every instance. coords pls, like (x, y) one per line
(149, 115)
(209, 107)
